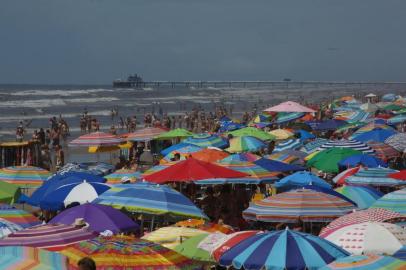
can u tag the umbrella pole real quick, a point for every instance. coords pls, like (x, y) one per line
(142, 225)
(152, 223)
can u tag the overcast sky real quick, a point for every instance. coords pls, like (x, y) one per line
(96, 41)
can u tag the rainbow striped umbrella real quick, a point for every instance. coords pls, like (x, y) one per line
(17, 216)
(394, 201)
(363, 196)
(299, 204)
(96, 139)
(127, 253)
(383, 151)
(122, 175)
(291, 144)
(12, 258)
(206, 140)
(245, 144)
(24, 176)
(145, 134)
(374, 176)
(366, 262)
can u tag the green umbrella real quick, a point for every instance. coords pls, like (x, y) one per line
(189, 248)
(392, 107)
(253, 132)
(9, 193)
(327, 160)
(175, 133)
(350, 126)
(400, 111)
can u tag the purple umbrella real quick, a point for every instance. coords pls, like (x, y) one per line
(99, 217)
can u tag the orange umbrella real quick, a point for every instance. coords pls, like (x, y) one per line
(210, 155)
(205, 226)
(307, 117)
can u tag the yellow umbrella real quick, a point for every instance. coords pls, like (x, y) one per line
(281, 134)
(109, 148)
(171, 236)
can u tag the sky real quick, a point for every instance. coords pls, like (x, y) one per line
(97, 41)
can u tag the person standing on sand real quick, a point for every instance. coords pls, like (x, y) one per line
(60, 157)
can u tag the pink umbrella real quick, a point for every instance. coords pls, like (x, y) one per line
(289, 106)
(96, 139)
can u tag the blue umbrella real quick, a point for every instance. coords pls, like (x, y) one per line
(363, 196)
(229, 126)
(400, 254)
(284, 249)
(300, 179)
(277, 166)
(312, 146)
(374, 176)
(366, 160)
(397, 119)
(288, 144)
(305, 135)
(376, 135)
(206, 140)
(331, 124)
(179, 146)
(329, 191)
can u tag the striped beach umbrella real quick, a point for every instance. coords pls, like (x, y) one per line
(374, 176)
(7, 227)
(122, 175)
(206, 140)
(158, 168)
(371, 126)
(400, 254)
(369, 238)
(96, 139)
(245, 144)
(299, 204)
(24, 176)
(253, 132)
(394, 201)
(367, 215)
(281, 134)
(400, 118)
(145, 134)
(184, 152)
(340, 178)
(174, 133)
(127, 253)
(314, 145)
(376, 135)
(352, 116)
(179, 146)
(366, 262)
(363, 196)
(284, 249)
(150, 199)
(291, 144)
(239, 158)
(29, 258)
(172, 236)
(17, 216)
(52, 237)
(349, 126)
(288, 156)
(397, 141)
(352, 144)
(284, 117)
(383, 151)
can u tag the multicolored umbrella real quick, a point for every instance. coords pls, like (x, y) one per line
(301, 179)
(24, 176)
(349, 126)
(340, 178)
(400, 118)
(366, 262)
(288, 156)
(367, 215)
(174, 133)
(277, 166)
(206, 140)
(352, 116)
(184, 152)
(122, 175)
(17, 216)
(376, 135)
(284, 117)
(289, 106)
(96, 139)
(150, 199)
(327, 160)
(369, 238)
(9, 193)
(299, 204)
(363, 196)
(314, 145)
(284, 249)
(253, 132)
(28, 258)
(245, 144)
(350, 144)
(383, 151)
(394, 201)
(178, 147)
(145, 134)
(50, 236)
(362, 159)
(397, 141)
(172, 236)
(209, 155)
(190, 249)
(127, 253)
(291, 144)
(373, 176)
(239, 158)
(7, 227)
(205, 226)
(400, 254)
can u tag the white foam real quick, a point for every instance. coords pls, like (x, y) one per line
(32, 103)
(91, 100)
(56, 92)
(16, 118)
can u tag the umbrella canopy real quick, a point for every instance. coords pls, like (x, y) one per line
(17, 216)
(50, 236)
(229, 126)
(150, 199)
(397, 141)
(96, 139)
(363, 196)
(205, 226)
(349, 126)
(245, 144)
(28, 258)
(367, 215)
(206, 140)
(122, 175)
(366, 262)
(190, 249)
(291, 144)
(374, 176)
(177, 147)
(7, 227)
(331, 124)
(289, 106)
(253, 132)
(24, 176)
(145, 134)
(192, 170)
(400, 118)
(394, 201)
(77, 192)
(9, 193)
(351, 144)
(399, 175)
(305, 135)
(284, 117)
(277, 166)
(376, 135)
(299, 204)
(363, 159)
(126, 253)
(284, 249)
(174, 133)
(383, 151)
(209, 155)
(340, 179)
(369, 238)
(99, 217)
(171, 236)
(300, 179)
(239, 158)
(327, 160)
(314, 145)
(400, 254)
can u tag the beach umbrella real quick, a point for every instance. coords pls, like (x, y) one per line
(190, 249)
(299, 204)
(349, 126)
(393, 107)
(17, 216)
(239, 158)
(184, 152)
(364, 262)
(305, 135)
(374, 176)
(397, 141)
(245, 144)
(376, 135)
(172, 236)
(291, 144)
(97, 168)
(351, 144)
(400, 254)
(52, 237)
(150, 199)
(383, 151)
(9, 193)
(327, 160)
(283, 117)
(96, 139)
(288, 156)
(363, 196)
(401, 175)
(122, 175)
(146, 134)
(331, 124)
(253, 132)
(281, 134)
(367, 215)
(372, 126)
(206, 140)
(363, 159)
(7, 227)
(24, 176)
(190, 148)
(72, 193)
(314, 145)
(205, 226)
(229, 126)
(353, 116)
(277, 166)
(300, 179)
(29, 258)
(394, 201)
(262, 118)
(209, 155)
(99, 217)
(289, 106)
(285, 249)
(340, 178)
(174, 133)
(158, 168)
(127, 253)
(400, 118)
(369, 238)
(390, 97)
(298, 126)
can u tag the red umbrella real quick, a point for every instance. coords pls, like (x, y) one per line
(192, 170)
(399, 175)
(340, 178)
